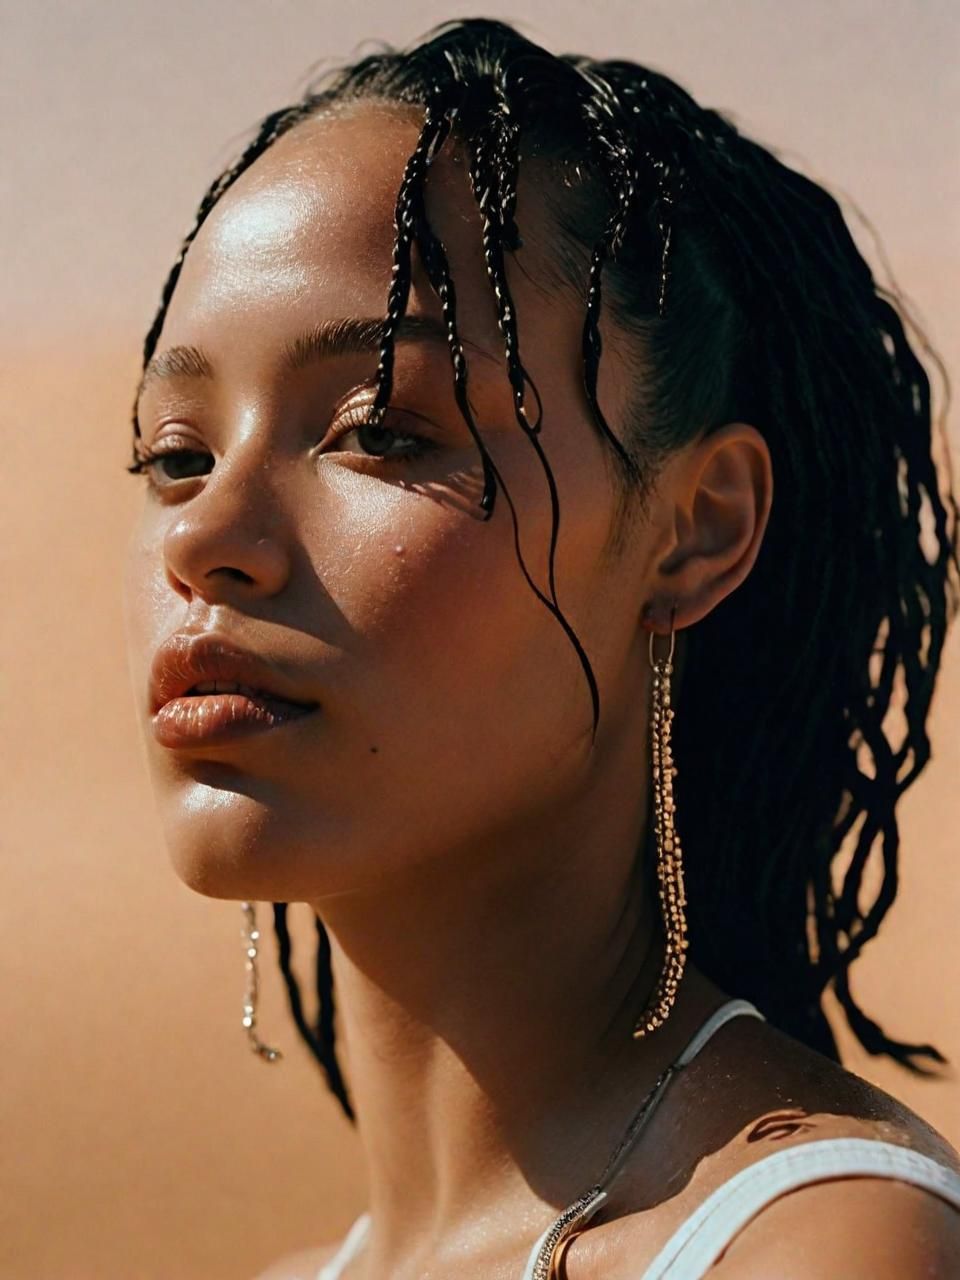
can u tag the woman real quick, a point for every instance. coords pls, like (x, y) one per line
(563, 794)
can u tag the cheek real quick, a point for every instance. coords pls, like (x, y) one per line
(423, 587)
(457, 665)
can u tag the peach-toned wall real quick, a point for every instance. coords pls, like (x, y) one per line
(142, 1139)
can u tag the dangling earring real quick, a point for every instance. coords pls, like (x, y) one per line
(251, 936)
(669, 853)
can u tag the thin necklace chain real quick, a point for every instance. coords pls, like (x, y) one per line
(542, 1269)
(636, 1124)
(561, 1228)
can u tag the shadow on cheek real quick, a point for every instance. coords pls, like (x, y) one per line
(461, 490)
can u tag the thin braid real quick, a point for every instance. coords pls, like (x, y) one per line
(494, 190)
(434, 129)
(493, 181)
(494, 197)
(614, 134)
(326, 1013)
(438, 272)
(506, 129)
(322, 1048)
(847, 908)
(621, 176)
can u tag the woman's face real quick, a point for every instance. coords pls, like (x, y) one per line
(451, 709)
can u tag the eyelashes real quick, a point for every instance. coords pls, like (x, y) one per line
(149, 460)
(374, 441)
(356, 421)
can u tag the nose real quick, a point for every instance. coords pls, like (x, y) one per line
(230, 543)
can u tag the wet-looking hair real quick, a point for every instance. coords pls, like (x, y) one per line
(744, 298)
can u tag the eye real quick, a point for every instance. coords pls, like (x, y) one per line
(386, 443)
(168, 463)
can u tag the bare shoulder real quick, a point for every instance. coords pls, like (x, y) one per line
(302, 1265)
(797, 1094)
(755, 1093)
(861, 1228)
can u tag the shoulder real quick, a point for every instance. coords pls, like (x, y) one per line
(771, 1091)
(769, 1094)
(862, 1228)
(303, 1265)
(858, 1225)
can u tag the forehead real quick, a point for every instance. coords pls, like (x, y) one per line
(338, 172)
(314, 217)
(312, 220)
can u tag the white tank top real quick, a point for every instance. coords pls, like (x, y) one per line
(703, 1236)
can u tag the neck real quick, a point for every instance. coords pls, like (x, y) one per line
(486, 1006)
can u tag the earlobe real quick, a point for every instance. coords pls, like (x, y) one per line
(659, 616)
(721, 498)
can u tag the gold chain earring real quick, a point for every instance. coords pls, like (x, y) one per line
(669, 853)
(251, 936)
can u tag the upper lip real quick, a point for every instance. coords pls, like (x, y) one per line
(188, 658)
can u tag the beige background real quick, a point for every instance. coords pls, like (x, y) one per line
(141, 1138)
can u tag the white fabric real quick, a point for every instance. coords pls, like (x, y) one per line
(730, 1009)
(700, 1240)
(349, 1249)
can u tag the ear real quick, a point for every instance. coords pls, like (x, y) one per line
(715, 499)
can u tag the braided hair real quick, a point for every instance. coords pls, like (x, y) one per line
(745, 298)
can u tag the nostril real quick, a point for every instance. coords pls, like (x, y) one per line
(238, 575)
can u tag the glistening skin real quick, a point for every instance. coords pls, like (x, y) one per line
(445, 810)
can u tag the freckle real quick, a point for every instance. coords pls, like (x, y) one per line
(374, 750)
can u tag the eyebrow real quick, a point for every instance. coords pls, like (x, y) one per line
(350, 335)
(355, 335)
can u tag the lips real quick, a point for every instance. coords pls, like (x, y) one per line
(206, 689)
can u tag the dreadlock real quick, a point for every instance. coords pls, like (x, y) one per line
(746, 299)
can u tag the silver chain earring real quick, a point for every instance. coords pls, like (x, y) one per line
(251, 936)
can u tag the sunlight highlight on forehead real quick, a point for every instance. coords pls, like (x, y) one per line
(263, 219)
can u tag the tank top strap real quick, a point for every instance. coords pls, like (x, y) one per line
(730, 1009)
(577, 1215)
(351, 1246)
(700, 1240)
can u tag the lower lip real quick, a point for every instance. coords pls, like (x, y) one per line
(210, 719)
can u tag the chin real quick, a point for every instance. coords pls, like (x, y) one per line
(235, 844)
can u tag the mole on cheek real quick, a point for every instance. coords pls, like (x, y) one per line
(374, 750)
(398, 551)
